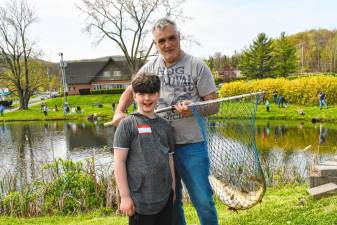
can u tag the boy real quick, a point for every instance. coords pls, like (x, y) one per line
(143, 160)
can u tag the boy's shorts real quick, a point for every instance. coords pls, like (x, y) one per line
(164, 217)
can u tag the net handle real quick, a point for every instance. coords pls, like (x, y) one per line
(170, 108)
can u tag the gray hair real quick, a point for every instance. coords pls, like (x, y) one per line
(162, 23)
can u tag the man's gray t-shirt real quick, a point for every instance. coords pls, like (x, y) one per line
(188, 79)
(149, 142)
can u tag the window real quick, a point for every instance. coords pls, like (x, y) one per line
(108, 86)
(106, 74)
(117, 73)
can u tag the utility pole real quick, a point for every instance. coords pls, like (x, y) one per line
(63, 66)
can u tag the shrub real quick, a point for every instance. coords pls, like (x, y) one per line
(108, 91)
(302, 91)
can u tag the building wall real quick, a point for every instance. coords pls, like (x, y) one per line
(73, 89)
(108, 84)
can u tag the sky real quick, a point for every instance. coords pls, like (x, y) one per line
(217, 25)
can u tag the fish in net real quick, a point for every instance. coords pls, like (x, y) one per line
(228, 125)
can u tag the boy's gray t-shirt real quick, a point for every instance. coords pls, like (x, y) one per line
(149, 142)
(188, 79)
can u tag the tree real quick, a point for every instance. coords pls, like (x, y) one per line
(126, 23)
(257, 61)
(285, 58)
(16, 48)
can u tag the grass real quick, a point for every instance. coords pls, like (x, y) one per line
(286, 205)
(291, 113)
(87, 103)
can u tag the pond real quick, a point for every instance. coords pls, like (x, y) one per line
(290, 147)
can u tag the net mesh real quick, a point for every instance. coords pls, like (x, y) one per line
(229, 128)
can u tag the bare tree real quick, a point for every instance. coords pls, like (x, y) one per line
(16, 49)
(127, 23)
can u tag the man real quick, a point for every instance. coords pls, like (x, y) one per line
(184, 79)
(322, 100)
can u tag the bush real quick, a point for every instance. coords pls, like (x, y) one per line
(108, 91)
(302, 91)
(67, 187)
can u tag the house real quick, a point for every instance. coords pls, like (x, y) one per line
(96, 74)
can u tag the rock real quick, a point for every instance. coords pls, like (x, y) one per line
(323, 190)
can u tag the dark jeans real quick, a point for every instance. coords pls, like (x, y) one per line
(192, 166)
(164, 217)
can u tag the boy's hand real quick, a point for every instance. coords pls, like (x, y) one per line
(127, 207)
(118, 116)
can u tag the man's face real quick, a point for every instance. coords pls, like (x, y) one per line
(168, 43)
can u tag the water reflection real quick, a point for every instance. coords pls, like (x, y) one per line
(25, 146)
(290, 149)
(282, 146)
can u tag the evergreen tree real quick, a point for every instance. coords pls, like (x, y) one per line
(257, 61)
(285, 58)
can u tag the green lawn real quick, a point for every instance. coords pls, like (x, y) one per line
(291, 113)
(87, 103)
(287, 205)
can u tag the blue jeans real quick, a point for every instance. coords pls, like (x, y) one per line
(192, 166)
(321, 103)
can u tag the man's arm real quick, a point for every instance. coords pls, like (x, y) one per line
(127, 205)
(124, 102)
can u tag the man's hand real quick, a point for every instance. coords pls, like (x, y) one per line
(118, 116)
(182, 108)
(127, 206)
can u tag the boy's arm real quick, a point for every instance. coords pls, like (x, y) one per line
(127, 205)
(171, 163)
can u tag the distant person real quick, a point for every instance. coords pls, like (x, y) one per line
(42, 105)
(275, 97)
(322, 100)
(2, 109)
(113, 106)
(281, 101)
(143, 159)
(55, 108)
(66, 108)
(267, 105)
(78, 109)
(45, 110)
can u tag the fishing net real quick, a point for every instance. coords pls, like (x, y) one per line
(228, 125)
(236, 175)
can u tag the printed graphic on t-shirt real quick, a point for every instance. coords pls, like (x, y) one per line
(180, 86)
(144, 129)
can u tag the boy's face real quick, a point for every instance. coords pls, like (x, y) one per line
(146, 101)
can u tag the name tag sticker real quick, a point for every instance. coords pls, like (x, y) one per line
(144, 129)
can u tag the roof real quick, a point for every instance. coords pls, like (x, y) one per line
(84, 71)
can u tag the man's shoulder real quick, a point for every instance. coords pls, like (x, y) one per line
(193, 59)
(153, 61)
